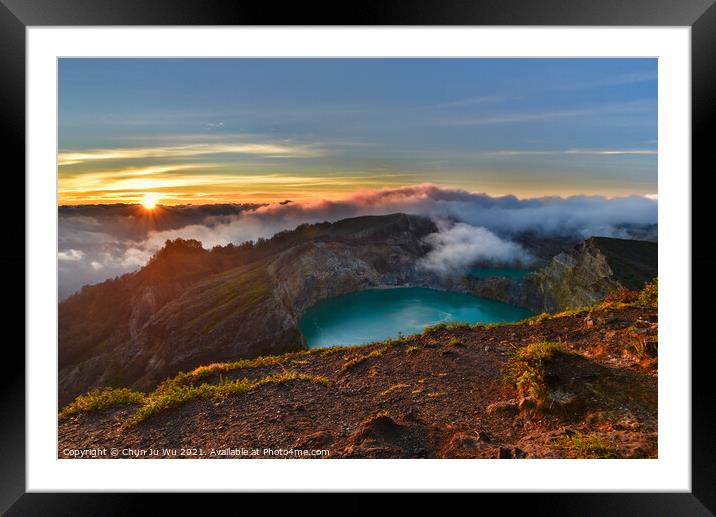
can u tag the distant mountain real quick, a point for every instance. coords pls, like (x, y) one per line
(581, 275)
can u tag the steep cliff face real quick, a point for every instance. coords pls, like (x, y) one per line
(138, 330)
(308, 274)
(581, 276)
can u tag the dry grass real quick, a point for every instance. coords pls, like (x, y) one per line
(100, 399)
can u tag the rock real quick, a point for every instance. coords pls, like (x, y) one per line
(527, 404)
(504, 453)
(484, 437)
(568, 403)
(586, 274)
(509, 407)
(588, 322)
(315, 440)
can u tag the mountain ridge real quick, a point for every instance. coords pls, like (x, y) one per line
(190, 306)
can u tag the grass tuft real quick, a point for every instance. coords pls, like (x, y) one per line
(100, 399)
(584, 446)
(180, 394)
(393, 388)
(455, 325)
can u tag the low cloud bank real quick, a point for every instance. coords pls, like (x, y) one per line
(98, 242)
(456, 247)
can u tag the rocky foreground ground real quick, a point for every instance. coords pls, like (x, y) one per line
(441, 394)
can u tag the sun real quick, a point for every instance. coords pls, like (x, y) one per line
(149, 201)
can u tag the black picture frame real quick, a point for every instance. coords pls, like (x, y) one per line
(700, 15)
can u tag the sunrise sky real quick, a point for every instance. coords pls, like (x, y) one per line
(174, 131)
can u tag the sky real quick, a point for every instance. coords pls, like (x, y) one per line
(180, 131)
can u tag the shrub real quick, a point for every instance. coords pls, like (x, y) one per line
(649, 295)
(622, 295)
(525, 369)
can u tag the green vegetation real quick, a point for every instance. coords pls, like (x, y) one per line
(649, 295)
(101, 399)
(378, 352)
(455, 343)
(356, 359)
(456, 325)
(394, 387)
(640, 348)
(177, 391)
(584, 446)
(353, 360)
(412, 349)
(324, 351)
(177, 394)
(383, 413)
(526, 368)
(539, 318)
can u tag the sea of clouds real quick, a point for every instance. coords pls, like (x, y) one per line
(96, 242)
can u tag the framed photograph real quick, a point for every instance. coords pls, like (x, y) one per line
(372, 255)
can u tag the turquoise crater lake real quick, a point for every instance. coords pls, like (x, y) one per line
(376, 314)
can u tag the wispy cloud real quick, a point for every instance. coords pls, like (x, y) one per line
(70, 255)
(181, 151)
(580, 152)
(472, 101)
(210, 182)
(122, 178)
(618, 80)
(213, 125)
(511, 118)
(595, 112)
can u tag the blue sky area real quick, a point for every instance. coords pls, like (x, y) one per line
(210, 130)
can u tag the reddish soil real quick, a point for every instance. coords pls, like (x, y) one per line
(441, 400)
